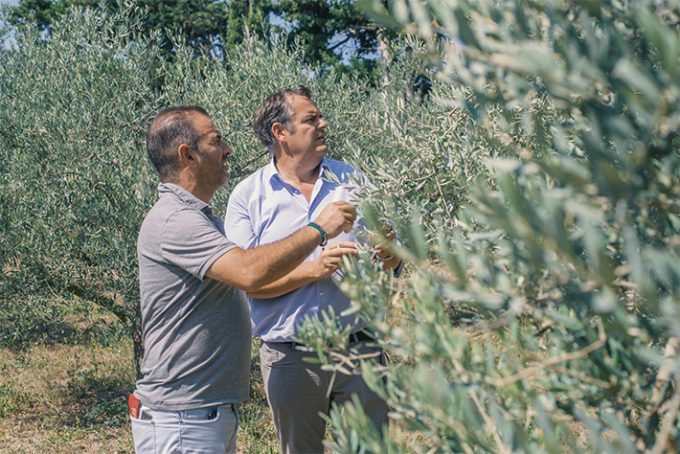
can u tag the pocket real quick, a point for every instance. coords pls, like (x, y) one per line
(143, 435)
(145, 418)
(269, 356)
(201, 434)
(207, 415)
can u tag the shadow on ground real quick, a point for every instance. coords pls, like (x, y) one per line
(92, 401)
(20, 330)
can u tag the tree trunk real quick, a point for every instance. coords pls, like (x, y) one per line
(137, 344)
(383, 45)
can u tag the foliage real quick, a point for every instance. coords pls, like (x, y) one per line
(252, 15)
(317, 22)
(73, 113)
(542, 316)
(202, 24)
(333, 34)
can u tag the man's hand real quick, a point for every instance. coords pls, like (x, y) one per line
(322, 267)
(331, 258)
(336, 218)
(390, 262)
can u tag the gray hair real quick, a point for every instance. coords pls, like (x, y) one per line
(276, 109)
(167, 131)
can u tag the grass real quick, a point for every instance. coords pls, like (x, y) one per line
(65, 398)
(72, 398)
(68, 394)
(65, 373)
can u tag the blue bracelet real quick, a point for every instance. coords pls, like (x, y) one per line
(324, 236)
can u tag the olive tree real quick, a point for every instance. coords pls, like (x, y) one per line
(542, 312)
(73, 111)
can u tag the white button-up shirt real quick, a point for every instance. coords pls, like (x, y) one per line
(263, 209)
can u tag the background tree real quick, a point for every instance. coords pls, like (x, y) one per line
(252, 15)
(333, 33)
(202, 24)
(70, 199)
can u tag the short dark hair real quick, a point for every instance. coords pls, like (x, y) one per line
(276, 109)
(167, 131)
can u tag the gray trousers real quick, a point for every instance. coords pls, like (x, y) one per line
(298, 393)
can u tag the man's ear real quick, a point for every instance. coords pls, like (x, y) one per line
(186, 154)
(279, 132)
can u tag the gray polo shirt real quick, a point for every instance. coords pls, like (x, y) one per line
(196, 331)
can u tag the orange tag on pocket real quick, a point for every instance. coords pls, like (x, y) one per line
(133, 405)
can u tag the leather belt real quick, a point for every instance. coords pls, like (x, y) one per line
(354, 338)
(360, 336)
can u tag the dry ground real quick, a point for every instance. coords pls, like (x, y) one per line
(72, 398)
(63, 399)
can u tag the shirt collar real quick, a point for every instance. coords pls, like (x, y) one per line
(167, 189)
(326, 174)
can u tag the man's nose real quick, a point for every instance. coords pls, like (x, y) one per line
(323, 124)
(227, 150)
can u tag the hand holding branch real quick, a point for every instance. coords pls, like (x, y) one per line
(390, 261)
(330, 259)
(336, 218)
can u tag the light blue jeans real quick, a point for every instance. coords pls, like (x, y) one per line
(209, 430)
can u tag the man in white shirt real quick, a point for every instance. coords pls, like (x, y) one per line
(267, 206)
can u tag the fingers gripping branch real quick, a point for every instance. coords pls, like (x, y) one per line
(336, 218)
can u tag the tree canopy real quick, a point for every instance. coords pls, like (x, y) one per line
(333, 33)
(201, 23)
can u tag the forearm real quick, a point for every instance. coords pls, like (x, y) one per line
(299, 277)
(251, 269)
(273, 261)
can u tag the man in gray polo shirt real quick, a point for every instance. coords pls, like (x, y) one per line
(195, 321)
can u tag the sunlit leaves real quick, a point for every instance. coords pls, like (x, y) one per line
(565, 253)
